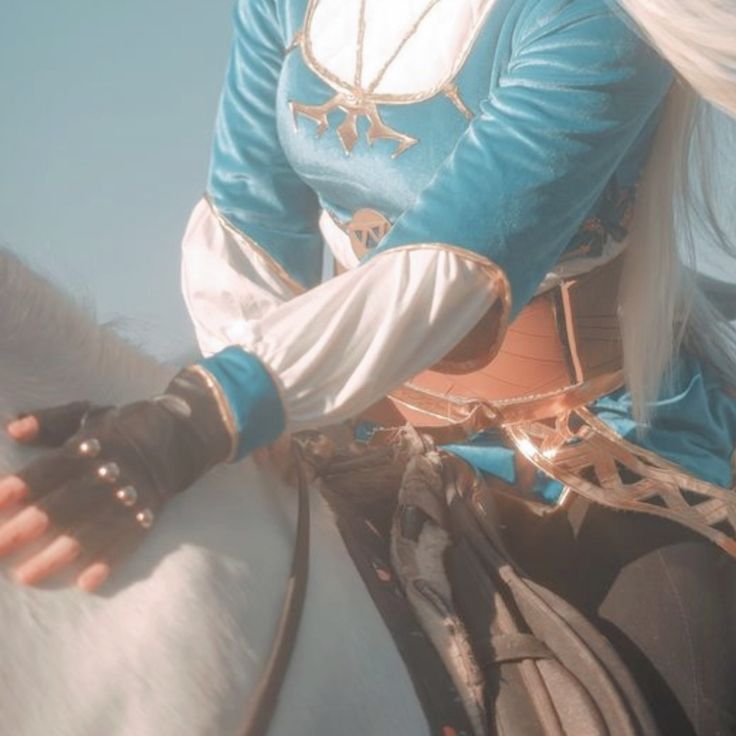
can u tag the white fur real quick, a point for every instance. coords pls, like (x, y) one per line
(174, 644)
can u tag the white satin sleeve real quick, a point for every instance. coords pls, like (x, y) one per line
(336, 349)
(227, 281)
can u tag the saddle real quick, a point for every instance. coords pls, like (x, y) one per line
(494, 651)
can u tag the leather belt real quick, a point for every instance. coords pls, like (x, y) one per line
(562, 351)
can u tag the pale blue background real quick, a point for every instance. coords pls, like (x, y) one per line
(106, 111)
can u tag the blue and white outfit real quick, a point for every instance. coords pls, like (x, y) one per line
(486, 132)
(487, 135)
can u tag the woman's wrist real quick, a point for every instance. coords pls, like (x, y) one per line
(236, 405)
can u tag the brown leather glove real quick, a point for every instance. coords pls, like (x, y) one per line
(113, 468)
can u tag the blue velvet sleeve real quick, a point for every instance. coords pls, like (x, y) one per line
(251, 183)
(253, 187)
(578, 88)
(254, 407)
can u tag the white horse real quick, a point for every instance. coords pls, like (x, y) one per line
(174, 644)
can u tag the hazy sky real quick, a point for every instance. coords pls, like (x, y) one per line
(106, 111)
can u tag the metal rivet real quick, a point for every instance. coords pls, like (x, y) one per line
(145, 518)
(109, 472)
(89, 448)
(127, 495)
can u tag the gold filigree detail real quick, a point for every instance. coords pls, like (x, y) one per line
(354, 108)
(295, 42)
(358, 100)
(404, 40)
(453, 94)
(389, 99)
(589, 458)
(465, 417)
(360, 45)
(223, 408)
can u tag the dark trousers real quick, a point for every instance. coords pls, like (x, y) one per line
(665, 598)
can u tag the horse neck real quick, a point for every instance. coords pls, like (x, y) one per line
(51, 352)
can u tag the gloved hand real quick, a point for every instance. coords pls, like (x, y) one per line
(102, 487)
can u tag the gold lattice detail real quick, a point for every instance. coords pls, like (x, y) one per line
(589, 458)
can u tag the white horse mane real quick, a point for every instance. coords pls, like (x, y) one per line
(39, 322)
(174, 644)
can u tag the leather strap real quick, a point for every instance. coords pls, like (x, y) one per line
(262, 705)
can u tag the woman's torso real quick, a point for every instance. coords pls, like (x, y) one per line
(422, 69)
(416, 73)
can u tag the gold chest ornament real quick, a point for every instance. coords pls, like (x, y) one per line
(385, 52)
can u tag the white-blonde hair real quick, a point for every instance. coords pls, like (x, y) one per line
(681, 214)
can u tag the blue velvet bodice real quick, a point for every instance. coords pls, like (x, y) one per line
(553, 109)
(563, 99)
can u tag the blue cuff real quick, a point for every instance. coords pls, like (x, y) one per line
(254, 401)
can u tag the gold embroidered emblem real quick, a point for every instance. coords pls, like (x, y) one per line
(366, 230)
(358, 97)
(347, 131)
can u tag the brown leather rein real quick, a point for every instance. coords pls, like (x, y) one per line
(263, 702)
(547, 327)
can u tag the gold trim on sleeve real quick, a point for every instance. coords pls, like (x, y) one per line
(256, 250)
(223, 407)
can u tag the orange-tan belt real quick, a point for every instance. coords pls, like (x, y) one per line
(562, 351)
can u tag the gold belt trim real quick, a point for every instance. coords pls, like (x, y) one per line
(591, 459)
(559, 435)
(464, 418)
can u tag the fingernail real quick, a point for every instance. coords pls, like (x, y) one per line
(12, 489)
(92, 579)
(21, 577)
(19, 428)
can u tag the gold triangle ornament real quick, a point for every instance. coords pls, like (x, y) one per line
(366, 230)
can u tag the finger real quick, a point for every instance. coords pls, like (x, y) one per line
(50, 471)
(55, 425)
(60, 553)
(24, 527)
(111, 535)
(79, 499)
(12, 490)
(107, 541)
(111, 553)
(93, 576)
(24, 429)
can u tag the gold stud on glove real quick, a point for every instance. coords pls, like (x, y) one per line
(111, 469)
